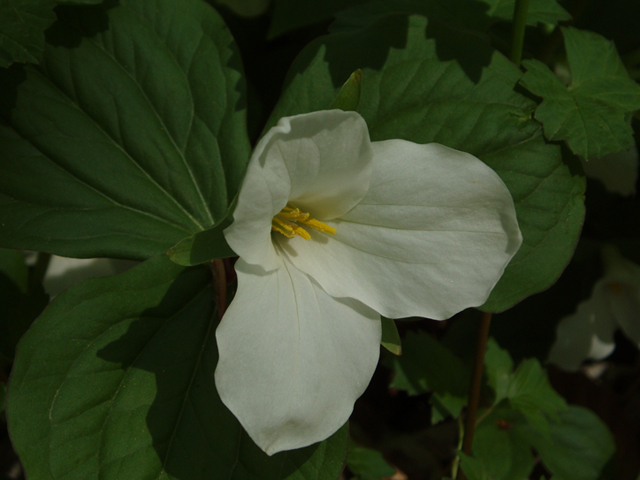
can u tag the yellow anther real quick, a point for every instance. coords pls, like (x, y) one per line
(285, 223)
(303, 233)
(318, 225)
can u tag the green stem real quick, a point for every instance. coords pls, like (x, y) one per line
(519, 25)
(456, 461)
(475, 388)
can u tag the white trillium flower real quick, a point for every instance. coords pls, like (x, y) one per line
(332, 231)
(614, 304)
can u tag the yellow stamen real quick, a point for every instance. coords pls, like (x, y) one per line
(286, 223)
(323, 227)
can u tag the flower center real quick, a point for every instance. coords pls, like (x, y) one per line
(288, 221)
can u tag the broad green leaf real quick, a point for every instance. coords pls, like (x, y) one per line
(21, 300)
(531, 393)
(427, 366)
(14, 269)
(116, 381)
(498, 367)
(592, 113)
(572, 442)
(201, 247)
(390, 336)
(22, 26)
(473, 468)
(348, 98)
(130, 135)
(204, 246)
(501, 446)
(368, 464)
(527, 389)
(460, 93)
(578, 447)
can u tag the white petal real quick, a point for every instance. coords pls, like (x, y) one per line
(329, 158)
(624, 302)
(622, 286)
(64, 272)
(432, 236)
(293, 360)
(587, 334)
(320, 161)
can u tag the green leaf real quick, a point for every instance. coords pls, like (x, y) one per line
(390, 336)
(572, 442)
(501, 445)
(498, 367)
(539, 11)
(115, 380)
(531, 393)
(14, 269)
(578, 447)
(21, 301)
(427, 366)
(473, 468)
(459, 93)
(348, 98)
(592, 113)
(204, 246)
(129, 137)
(22, 26)
(527, 389)
(368, 464)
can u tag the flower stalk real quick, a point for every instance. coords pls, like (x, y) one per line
(476, 385)
(519, 25)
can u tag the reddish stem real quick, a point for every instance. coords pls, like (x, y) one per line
(474, 389)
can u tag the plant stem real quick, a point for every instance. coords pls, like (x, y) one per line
(519, 25)
(474, 389)
(456, 461)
